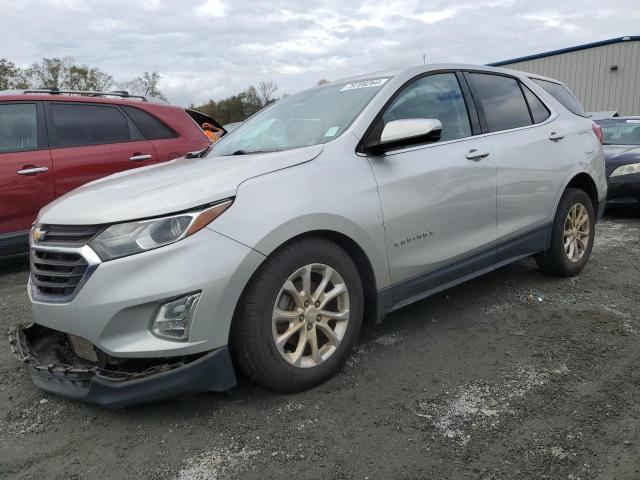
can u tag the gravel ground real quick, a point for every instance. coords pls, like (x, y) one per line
(513, 375)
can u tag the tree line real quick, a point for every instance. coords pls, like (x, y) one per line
(64, 73)
(239, 107)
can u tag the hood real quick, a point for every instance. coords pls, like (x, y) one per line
(618, 153)
(166, 188)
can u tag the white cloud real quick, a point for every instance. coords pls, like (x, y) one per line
(215, 48)
(212, 8)
(433, 17)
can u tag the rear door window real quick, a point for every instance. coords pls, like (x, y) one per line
(76, 125)
(500, 101)
(18, 127)
(562, 94)
(539, 111)
(151, 128)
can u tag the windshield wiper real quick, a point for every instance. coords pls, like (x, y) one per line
(199, 153)
(251, 152)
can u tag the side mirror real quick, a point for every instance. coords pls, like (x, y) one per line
(404, 133)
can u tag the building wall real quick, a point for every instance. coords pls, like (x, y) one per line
(588, 73)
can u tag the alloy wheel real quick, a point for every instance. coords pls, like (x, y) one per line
(577, 231)
(310, 315)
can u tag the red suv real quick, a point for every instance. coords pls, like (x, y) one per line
(53, 141)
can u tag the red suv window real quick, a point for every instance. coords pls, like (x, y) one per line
(18, 127)
(151, 128)
(76, 125)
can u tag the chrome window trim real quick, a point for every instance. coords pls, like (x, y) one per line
(551, 118)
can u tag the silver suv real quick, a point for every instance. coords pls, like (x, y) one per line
(266, 252)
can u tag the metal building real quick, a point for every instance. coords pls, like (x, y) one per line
(604, 75)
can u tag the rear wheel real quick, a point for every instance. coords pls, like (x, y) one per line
(572, 235)
(299, 317)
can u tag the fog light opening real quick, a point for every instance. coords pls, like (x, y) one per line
(173, 320)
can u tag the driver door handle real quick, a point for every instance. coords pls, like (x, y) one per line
(139, 157)
(477, 155)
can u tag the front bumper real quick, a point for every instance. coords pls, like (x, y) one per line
(117, 301)
(624, 190)
(57, 371)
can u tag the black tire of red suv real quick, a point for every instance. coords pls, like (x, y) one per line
(555, 260)
(252, 343)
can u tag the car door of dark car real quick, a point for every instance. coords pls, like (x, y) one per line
(90, 141)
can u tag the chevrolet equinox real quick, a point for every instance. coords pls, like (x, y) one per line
(265, 252)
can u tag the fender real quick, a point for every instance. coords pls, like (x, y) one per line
(599, 181)
(326, 222)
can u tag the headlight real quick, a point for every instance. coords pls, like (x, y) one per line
(124, 239)
(626, 169)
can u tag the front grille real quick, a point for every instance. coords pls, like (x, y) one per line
(56, 274)
(68, 235)
(83, 348)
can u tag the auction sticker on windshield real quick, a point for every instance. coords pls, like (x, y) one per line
(378, 82)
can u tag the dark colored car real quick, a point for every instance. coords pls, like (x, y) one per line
(621, 139)
(52, 142)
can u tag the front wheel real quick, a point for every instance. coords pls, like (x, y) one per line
(572, 235)
(299, 317)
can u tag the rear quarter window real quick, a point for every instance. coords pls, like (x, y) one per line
(151, 127)
(539, 111)
(563, 95)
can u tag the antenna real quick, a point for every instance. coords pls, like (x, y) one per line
(424, 58)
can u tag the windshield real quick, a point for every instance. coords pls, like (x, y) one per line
(311, 117)
(618, 131)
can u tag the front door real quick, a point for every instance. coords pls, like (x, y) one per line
(26, 177)
(90, 141)
(438, 199)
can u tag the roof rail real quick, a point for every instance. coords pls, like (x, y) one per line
(88, 93)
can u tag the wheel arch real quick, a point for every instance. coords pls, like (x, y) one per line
(357, 253)
(582, 181)
(361, 260)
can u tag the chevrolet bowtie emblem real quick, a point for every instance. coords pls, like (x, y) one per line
(38, 234)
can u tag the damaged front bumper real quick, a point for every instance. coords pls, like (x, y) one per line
(55, 368)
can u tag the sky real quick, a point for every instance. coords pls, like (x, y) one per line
(215, 48)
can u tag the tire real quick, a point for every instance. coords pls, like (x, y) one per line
(253, 330)
(556, 260)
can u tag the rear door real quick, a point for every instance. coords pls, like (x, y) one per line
(528, 142)
(90, 141)
(26, 177)
(168, 143)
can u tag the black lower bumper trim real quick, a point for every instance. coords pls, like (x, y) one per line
(623, 191)
(212, 372)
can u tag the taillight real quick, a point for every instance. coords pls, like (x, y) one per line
(598, 131)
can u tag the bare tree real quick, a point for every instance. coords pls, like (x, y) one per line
(51, 72)
(81, 77)
(267, 92)
(146, 85)
(322, 81)
(11, 76)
